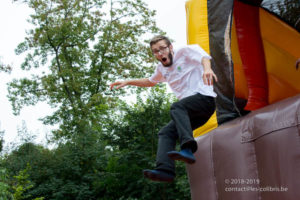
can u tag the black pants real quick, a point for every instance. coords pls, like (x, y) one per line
(187, 114)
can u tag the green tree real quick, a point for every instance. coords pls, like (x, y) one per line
(70, 171)
(81, 46)
(5, 68)
(22, 184)
(103, 144)
(4, 186)
(106, 167)
(132, 135)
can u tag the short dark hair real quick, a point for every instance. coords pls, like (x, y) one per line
(158, 38)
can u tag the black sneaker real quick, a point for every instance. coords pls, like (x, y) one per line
(158, 175)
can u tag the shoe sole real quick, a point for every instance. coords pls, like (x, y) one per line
(176, 156)
(156, 177)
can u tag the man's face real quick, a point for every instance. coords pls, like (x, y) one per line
(163, 53)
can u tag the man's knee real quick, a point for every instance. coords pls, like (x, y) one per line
(174, 105)
(177, 105)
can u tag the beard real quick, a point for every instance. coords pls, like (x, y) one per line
(170, 56)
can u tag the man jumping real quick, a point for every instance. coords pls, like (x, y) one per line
(188, 72)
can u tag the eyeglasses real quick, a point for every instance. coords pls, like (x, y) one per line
(161, 50)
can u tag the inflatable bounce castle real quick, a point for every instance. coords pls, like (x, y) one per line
(250, 148)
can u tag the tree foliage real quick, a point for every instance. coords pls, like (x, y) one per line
(102, 143)
(23, 184)
(4, 186)
(133, 139)
(106, 167)
(81, 46)
(5, 68)
(67, 172)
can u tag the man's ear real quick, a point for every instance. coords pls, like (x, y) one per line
(171, 48)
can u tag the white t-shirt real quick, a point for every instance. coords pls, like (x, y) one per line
(184, 76)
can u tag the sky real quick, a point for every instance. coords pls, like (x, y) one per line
(170, 17)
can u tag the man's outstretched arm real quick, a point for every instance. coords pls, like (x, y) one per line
(144, 82)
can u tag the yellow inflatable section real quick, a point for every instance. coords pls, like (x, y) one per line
(282, 49)
(197, 33)
(281, 53)
(197, 27)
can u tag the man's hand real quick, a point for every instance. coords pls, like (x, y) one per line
(209, 76)
(119, 84)
(143, 82)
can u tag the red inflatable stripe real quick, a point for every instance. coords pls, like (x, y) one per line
(252, 53)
